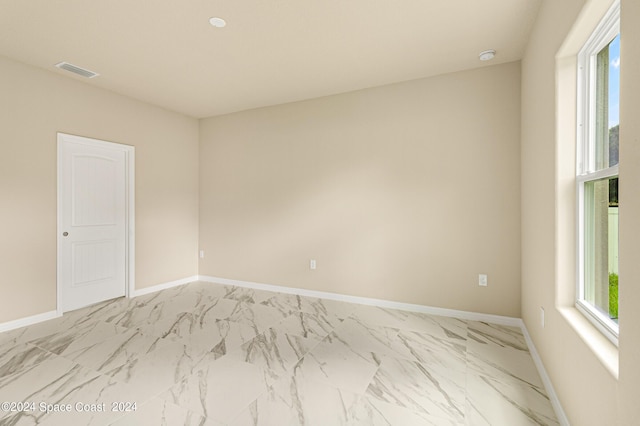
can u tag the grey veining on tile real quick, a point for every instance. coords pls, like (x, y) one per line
(336, 363)
(444, 327)
(26, 383)
(434, 390)
(310, 305)
(78, 337)
(218, 389)
(259, 317)
(294, 400)
(208, 354)
(308, 325)
(491, 402)
(159, 369)
(392, 414)
(494, 334)
(198, 318)
(20, 356)
(432, 350)
(60, 382)
(276, 353)
(247, 295)
(116, 351)
(363, 339)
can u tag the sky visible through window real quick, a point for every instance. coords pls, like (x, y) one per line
(614, 82)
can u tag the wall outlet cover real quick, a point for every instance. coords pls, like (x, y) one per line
(483, 280)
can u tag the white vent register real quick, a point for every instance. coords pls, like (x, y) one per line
(77, 70)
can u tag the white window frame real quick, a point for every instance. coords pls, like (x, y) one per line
(586, 172)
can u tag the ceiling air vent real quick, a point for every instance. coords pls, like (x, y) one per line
(77, 70)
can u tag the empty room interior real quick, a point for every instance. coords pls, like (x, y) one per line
(320, 213)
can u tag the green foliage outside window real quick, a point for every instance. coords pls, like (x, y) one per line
(613, 296)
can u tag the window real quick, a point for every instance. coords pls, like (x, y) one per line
(597, 175)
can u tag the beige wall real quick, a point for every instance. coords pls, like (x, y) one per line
(35, 105)
(629, 223)
(583, 366)
(405, 192)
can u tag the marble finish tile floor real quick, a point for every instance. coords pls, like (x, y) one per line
(209, 354)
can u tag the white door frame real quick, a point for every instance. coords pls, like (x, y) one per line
(129, 158)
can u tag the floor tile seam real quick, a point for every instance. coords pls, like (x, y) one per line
(461, 399)
(121, 417)
(140, 360)
(246, 308)
(497, 351)
(147, 333)
(237, 416)
(91, 376)
(30, 345)
(155, 394)
(210, 416)
(21, 341)
(144, 329)
(466, 392)
(315, 337)
(12, 418)
(417, 413)
(171, 402)
(317, 343)
(331, 385)
(112, 367)
(511, 381)
(436, 346)
(288, 371)
(380, 355)
(104, 372)
(400, 329)
(505, 374)
(425, 410)
(93, 370)
(509, 376)
(50, 356)
(426, 365)
(240, 411)
(526, 408)
(369, 325)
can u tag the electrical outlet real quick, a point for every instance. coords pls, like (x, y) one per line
(201, 254)
(482, 280)
(542, 316)
(312, 264)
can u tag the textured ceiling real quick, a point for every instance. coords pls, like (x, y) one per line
(165, 52)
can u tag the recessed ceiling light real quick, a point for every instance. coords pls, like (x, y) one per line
(487, 55)
(217, 22)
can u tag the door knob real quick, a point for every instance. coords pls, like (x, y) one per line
(64, 234)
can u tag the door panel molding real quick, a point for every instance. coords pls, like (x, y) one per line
(64, 139)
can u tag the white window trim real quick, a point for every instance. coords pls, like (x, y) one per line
(606, 30)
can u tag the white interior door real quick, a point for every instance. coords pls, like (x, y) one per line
(92, 222)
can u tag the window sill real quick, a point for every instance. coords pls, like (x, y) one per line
(604, 350)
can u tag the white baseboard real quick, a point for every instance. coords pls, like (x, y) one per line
(163, 286)
(551, 392)
(473, 316)
(23, 322)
